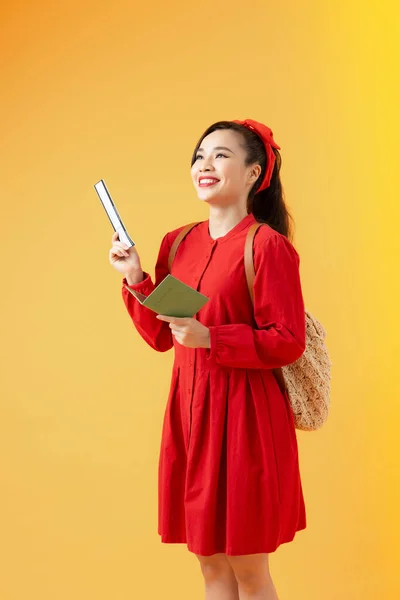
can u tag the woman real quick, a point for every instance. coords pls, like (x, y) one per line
(229, 482)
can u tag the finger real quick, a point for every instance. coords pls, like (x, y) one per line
(178, 339)
(177, 320)
(120, 247)
(117, 252)
(115, 240)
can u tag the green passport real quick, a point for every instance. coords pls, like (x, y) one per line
(172, 298)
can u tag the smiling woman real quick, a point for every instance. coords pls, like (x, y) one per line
(245, 149)
(228, 445)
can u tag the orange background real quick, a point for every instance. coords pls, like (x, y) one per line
(122, 92)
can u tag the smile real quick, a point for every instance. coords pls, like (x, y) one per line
(208, 182)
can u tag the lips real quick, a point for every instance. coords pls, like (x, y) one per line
(207, 181)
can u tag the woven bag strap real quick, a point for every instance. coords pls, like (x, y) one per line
(250, 275)
(183, 233)
(248, 258)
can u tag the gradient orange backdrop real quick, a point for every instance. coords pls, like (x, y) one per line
(122, 91)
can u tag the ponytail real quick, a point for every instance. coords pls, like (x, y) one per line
(268, 206)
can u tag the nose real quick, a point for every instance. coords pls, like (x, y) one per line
(205, 164)
(206, 167)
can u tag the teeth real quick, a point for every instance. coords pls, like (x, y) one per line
(208, 181)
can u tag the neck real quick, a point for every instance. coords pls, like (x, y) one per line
(223, 219)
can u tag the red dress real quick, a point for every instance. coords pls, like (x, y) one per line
(229, 477)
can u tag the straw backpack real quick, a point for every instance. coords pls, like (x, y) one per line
(307, 380)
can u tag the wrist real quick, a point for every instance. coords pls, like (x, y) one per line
(134, 278)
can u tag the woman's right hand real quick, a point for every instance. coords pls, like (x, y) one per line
(125, 260)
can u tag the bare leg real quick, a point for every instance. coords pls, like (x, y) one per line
(253, 577)
(220, 582)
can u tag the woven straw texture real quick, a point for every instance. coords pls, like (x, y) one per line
(308, 379)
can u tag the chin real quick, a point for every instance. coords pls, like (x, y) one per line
(210, 200)
(206, 197)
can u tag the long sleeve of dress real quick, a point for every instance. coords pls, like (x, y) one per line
(155, 332)
(278, 310)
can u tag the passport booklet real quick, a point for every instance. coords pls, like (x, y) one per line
(172, 298)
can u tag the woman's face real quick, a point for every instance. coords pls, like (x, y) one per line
(219, 173)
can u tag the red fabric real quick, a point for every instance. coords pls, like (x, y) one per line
(228, 473)
(265, 133)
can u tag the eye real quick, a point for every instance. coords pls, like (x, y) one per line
(219, 154)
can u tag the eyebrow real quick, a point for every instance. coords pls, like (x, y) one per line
(217, 148)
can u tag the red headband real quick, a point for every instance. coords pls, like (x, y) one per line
(266, 135)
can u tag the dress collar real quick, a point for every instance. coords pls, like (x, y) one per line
(245, 222)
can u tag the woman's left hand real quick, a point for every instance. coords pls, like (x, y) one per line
(188, 332)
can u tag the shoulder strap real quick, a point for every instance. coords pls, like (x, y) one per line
(177, 241)
(250, 275)
(248, 251)
(248, 264)
(248, 257)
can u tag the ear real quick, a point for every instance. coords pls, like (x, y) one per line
(254, 173)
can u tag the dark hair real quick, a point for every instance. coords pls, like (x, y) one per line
(268, 206)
